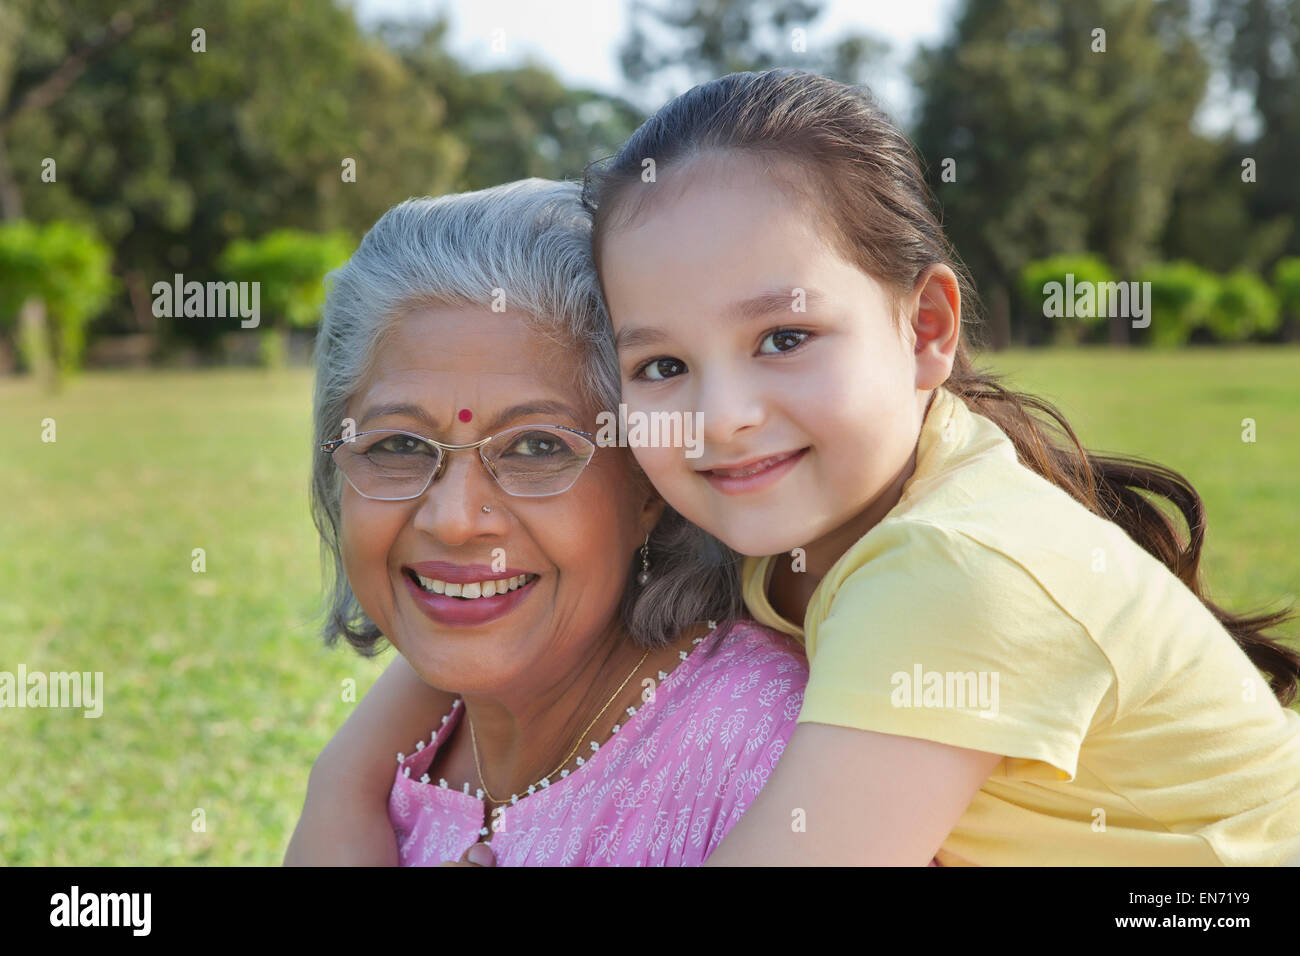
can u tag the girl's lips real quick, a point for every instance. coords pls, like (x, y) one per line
(462, 612)
(756, 476)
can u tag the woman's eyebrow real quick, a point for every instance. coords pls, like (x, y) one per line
(540, 407)
(400, 408)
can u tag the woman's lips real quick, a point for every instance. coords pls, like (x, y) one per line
(463, 612)
(755, 475)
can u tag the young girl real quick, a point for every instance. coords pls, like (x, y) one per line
(1012, 661)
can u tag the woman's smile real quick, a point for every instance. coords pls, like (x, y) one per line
(466, 595)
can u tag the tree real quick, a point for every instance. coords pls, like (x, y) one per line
(61, 270)
(521, 121)
(289, 266)
(1263, 59)
(1056, 146)
(673, 44)
(226, 119)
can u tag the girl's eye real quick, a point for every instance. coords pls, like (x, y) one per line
(783, 340)
(656, 370)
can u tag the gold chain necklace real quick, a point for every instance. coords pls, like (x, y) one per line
(582, 736)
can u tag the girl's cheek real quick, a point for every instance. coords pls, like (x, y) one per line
(660, 464)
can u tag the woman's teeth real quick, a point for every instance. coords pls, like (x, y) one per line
(474, 589)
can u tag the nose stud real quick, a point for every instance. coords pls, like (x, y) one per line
(487, 510)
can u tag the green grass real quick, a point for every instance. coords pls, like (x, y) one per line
(218, 693)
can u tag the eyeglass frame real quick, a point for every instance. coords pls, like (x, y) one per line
(333, 445)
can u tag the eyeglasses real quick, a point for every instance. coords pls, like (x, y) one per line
(527, 461)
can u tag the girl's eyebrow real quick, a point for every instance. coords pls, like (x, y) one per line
(771, 302)
(637, 336)
(774, 301)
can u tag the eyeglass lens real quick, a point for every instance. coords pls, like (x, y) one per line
(529, 461)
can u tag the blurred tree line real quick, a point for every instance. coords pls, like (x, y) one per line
(172, 145)
(170, 131)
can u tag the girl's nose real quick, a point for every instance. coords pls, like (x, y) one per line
(728, 405)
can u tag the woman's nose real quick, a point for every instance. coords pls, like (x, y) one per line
(452, 507)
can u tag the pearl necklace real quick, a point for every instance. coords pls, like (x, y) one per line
(545, 782)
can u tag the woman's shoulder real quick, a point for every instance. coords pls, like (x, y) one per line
(747, 645)
(740, 668)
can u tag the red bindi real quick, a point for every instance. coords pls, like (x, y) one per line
(465, 415)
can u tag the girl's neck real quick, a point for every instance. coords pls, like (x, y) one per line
(789, 591)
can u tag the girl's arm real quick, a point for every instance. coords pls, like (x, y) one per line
(345, 816)
(866, 799)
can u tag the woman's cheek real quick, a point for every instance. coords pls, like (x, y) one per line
(364, 564)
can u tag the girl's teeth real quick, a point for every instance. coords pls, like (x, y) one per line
(453, 590)
(753, 469)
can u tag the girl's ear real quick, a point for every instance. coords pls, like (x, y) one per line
(936, 325)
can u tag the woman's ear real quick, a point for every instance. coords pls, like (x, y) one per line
(936, 325)
(652, 509)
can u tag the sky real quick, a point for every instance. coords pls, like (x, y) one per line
(579, 39)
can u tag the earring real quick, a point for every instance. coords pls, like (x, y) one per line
(644, 576)
(487, 510)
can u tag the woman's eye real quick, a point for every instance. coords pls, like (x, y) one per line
(399, 445)
(660, 369)
(783, 340)
(537, 445)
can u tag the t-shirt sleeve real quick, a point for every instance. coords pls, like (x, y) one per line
(934, 635)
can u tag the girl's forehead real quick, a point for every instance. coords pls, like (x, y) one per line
(711, 176)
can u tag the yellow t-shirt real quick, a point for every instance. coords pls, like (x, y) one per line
(990, 610)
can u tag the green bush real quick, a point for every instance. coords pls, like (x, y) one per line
(69, 268)
(290, 266)
(1059, 308)
(1182, 295)
(1243, 306)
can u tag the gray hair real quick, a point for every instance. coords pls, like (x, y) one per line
(532, 237)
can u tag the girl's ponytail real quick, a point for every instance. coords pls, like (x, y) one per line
(1117, 489)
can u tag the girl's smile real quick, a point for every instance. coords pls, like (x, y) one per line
(755, 475)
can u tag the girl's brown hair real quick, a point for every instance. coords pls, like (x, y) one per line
(873, 197)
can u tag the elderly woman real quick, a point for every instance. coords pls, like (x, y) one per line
(592, 711)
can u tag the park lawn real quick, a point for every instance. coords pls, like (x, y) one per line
(218, 692)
